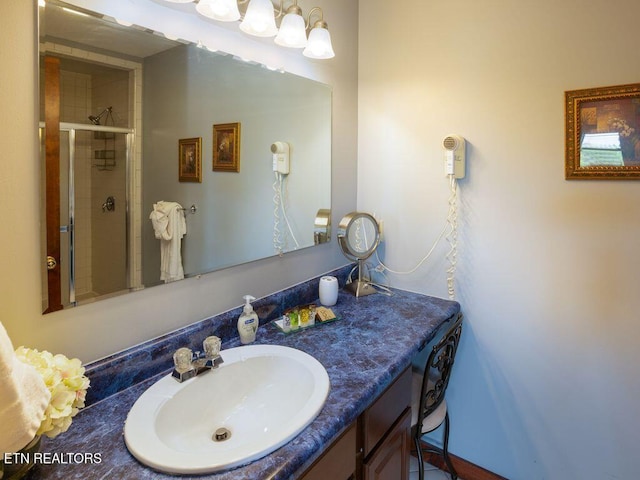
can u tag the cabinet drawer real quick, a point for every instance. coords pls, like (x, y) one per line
(390, 460)
(384, 412)
(338, 462)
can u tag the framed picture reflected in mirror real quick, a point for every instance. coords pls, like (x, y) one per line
(189, 163)
(226, 147)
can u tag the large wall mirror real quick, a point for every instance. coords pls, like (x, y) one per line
(130, 125)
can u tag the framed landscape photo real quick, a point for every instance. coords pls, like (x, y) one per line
(226, 147)
(189, 160)
(602, 127)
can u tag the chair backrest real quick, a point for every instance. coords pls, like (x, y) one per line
(438, 370)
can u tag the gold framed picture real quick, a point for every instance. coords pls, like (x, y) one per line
(226, 147)
(189, 160)
(602, 127)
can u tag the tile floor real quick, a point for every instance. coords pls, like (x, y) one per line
(430, 472)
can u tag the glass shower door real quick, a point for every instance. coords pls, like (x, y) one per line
(93, 260)
(98, 220)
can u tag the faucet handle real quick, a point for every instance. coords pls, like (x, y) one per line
(211, 346)
(183, 367)
(182, 359)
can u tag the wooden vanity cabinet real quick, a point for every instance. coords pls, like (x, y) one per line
(390, 460)
(377, 445)
(338, 462)
(384, 433)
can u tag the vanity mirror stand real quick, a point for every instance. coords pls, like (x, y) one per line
(358, 237)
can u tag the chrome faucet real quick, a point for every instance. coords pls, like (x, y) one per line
(189, 364)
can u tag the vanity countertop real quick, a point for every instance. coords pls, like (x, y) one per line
(363, 352)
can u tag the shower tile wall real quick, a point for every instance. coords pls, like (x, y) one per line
(75, 101)
(109, 236)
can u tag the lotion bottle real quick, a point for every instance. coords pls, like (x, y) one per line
(248, 322)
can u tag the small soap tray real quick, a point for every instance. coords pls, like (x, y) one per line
(317, 322)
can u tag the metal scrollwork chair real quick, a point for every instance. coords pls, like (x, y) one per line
(429, 408)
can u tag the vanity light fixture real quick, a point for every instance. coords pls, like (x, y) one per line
(319, 43)
(259, 19)
(293, 32)
(221, 10)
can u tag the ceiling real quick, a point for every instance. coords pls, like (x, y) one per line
(96, 33)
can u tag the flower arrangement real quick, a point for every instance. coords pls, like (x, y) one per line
(67, 383)
(629, 138)
(621, 126)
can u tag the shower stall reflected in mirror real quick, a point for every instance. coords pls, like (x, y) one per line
(94, 257)
(91, 248)
(96, 184)
(98, 114)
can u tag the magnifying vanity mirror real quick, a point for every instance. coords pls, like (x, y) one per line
(358, 237)
(169, 105)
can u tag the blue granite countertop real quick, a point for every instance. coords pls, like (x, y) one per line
(363, 353)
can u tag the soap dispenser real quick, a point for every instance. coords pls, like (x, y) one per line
(248, 322)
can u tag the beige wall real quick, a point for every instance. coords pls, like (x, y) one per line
(547, 269)
(93, 331)
(547, 377)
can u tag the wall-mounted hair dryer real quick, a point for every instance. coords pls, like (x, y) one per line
(280, 152)
(454, 155)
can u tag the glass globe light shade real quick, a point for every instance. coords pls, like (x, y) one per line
(222, 10)
(259, 19)
(292, 31)
(319, 43)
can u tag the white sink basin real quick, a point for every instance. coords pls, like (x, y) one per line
(264, 395)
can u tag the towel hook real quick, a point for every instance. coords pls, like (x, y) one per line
(191, 210)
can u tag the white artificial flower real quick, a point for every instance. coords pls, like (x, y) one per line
(67, 383)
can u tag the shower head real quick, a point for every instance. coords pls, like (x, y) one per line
(95, 119)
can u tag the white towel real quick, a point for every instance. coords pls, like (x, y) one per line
(23, 398)
(169, 227)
